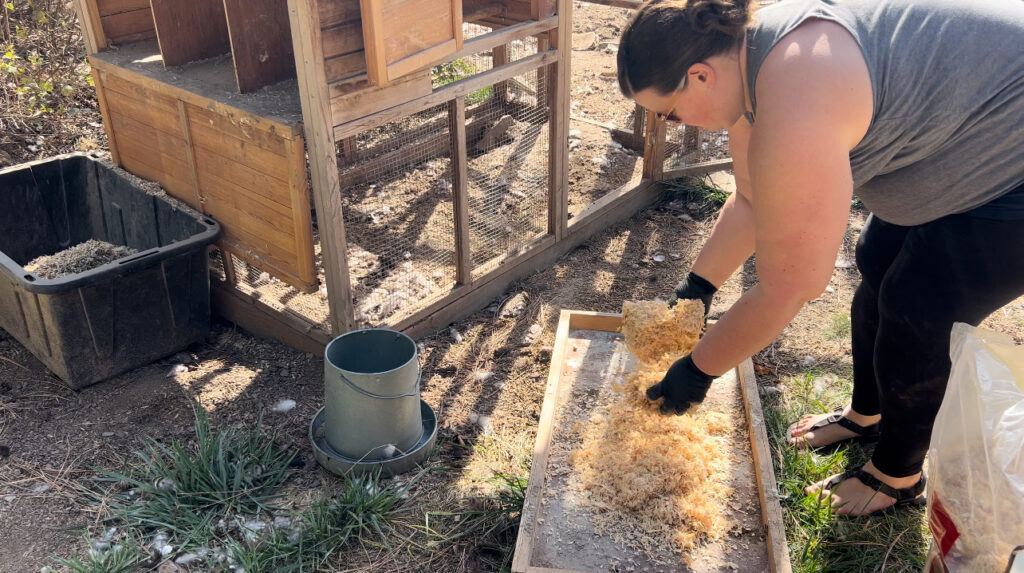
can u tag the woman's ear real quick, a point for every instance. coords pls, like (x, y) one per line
(702, 73)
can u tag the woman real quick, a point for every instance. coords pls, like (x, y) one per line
(908, 103)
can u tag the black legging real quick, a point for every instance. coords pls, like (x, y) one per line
(916, 282)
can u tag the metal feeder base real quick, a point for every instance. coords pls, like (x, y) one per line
(338, 464)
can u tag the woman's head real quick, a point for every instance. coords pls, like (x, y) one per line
(669, 41)
(665, 37)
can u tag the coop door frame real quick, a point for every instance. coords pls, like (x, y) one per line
(378, 30)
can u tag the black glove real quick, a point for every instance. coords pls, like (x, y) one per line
(694, 287)
(683, 385)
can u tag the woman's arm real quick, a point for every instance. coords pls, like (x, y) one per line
(732, 239)
(814, 105)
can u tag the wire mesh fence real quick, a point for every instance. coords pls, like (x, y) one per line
(397, 200)
(508, 162)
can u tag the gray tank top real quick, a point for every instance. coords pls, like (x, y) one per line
(947, 134)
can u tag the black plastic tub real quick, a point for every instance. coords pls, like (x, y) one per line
(95, 324)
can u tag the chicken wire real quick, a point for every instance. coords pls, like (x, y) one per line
(398, 209)
(508, 162)
(686, 145)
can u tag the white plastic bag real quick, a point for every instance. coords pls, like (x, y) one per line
(976, 457)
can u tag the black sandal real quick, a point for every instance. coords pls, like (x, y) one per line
(864, 433)
(913, 495)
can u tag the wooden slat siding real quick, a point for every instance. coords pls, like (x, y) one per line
(128, 27)
(359, 104)
(444, 94)
(342, 39)
(698, 169)
(141, 161)
(346, 66)
(460, 190)
(101, 99)
(190, 31)
(241, 129)
(160, 143)
(302, 220)
(261, 42)
(253, 185)
(538, 468)
(334, 12)
(190, 153)
(767, 488)
(286, 130)
(247, 221)
(92, 27)
(240, 151)
(323, 159)
(158, 105)
(108, 7)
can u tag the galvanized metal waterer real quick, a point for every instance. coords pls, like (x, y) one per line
(373, 418)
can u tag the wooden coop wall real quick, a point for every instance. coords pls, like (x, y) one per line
(371, 116)
(244, 172)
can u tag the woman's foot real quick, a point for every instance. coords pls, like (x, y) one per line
(851, 496)
(842, 424)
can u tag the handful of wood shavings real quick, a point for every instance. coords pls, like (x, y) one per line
(652, 482)
(653, 330)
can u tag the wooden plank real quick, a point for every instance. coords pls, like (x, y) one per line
(334, 12)
(265, 192)
(444, 94)
(139, 159)
(499, 57)
(654, 147)
(412, 26)
(128, 26)
(558, 94)
(235, 115)
(240, 128)
(316, 113)
(344, 38)
(698, 169)
(190, 154)
(373, 41)
(101, 99)
(423, 59)
(346, 66)
(157, 103)
(538, 468)
(239, 151)
(190, 31)
(768, 489)
(261, 42)
(460, 190)
(92, 26)
(590, 320)
(627, 4)
(474, 13)
(108, 7)
(359, 104)
(262, 320)
(503, 36)
(298, 184)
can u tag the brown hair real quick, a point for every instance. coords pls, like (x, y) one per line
(665, 37)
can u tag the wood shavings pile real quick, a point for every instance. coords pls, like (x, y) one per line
(655, 483)
(653, 330)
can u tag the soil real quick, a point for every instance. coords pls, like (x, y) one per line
(77, 259)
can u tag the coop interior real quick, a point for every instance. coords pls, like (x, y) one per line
(384, 162)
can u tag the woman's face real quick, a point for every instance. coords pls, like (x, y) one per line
(712, 98)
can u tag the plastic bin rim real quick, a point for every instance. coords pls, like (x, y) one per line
(140, 260)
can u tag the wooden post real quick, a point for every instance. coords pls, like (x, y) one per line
(639, 114)
(654, 148)
(101, 99)
(558, 141)
(323, 161)
(499, 57)
(460, 190)
(92, 27)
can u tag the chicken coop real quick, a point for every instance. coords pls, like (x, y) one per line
(373, 162)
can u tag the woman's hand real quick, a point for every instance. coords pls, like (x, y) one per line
(683, 385)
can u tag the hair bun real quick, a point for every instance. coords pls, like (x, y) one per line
(729, 17)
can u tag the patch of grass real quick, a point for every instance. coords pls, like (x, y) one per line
(491, 523)
(456, 70)
(839, 327)
(818, 539)
(119, 558)
(186, 488)
(212, 500)
(700, 190)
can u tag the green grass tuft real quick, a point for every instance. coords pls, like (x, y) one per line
(839, 327)
(820, 541)
(700, 190)
(119, 558)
